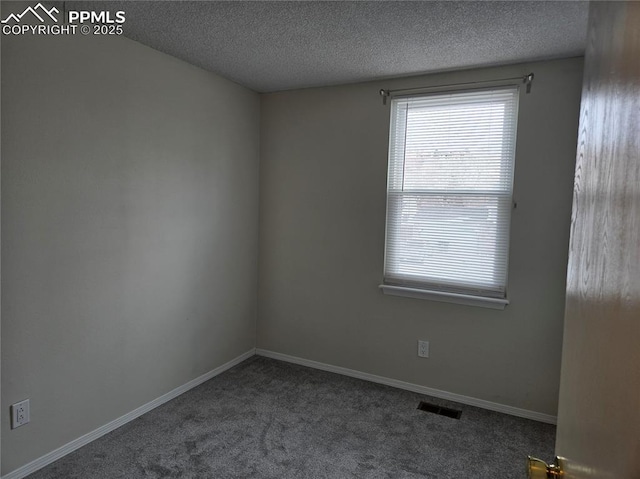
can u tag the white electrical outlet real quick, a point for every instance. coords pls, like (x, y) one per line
(19, 414)
(423, 349)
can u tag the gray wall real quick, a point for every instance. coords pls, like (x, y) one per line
(322, 218)
(129, 231)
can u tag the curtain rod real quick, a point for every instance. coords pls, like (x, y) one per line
(527, 79)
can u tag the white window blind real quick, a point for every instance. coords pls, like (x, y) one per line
(449, 198)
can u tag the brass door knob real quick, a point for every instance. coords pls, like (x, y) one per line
(538, 469)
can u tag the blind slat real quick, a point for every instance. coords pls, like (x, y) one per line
(450, 188)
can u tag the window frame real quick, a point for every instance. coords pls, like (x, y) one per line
(423, 291)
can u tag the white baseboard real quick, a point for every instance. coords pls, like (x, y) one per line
(492, 406)
(102, 430)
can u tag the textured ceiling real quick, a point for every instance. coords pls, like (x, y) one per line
(269, 46)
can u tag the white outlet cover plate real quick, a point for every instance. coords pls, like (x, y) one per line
(423, 349)
(20, 414)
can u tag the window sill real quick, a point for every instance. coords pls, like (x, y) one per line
(482, 302)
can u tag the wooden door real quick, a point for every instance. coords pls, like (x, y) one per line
(599, 412)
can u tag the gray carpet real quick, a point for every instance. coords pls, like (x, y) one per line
(270, 419)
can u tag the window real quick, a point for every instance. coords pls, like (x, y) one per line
(449, 195)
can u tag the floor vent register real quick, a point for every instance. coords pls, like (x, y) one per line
(441, 410)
